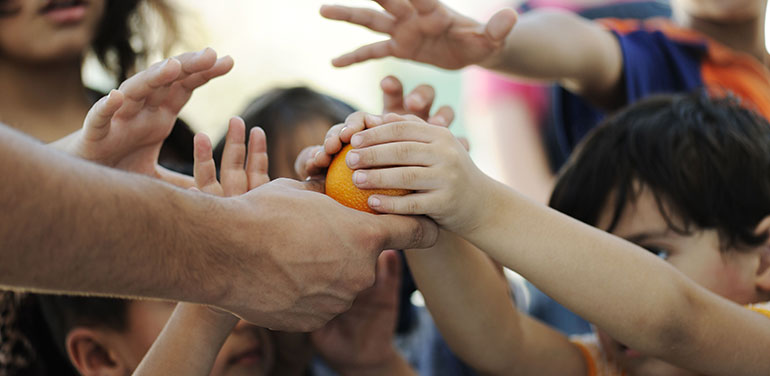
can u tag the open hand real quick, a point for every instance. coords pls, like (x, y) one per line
(126, 129)
(425, 31)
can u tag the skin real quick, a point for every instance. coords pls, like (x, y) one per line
(192, 337)
(290, 291)
(588, 63)
(498, 221)
(40, 68)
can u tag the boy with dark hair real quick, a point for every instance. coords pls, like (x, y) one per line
(685, 177)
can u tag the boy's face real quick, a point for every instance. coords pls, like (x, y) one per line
(247, 351)
(730, 274)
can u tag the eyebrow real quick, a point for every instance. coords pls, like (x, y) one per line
(640, 237)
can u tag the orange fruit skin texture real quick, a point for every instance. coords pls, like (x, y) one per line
(339, 185)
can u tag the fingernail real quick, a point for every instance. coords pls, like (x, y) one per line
(374, 202)
(352, 158)
(417, 102)
(356, 140)
(359, 177)
(317, 154)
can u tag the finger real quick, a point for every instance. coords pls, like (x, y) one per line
(411, 204)
(397, 131)
(257, 162)
(398, 8)
(303, 159)
(368, 18)
(193, 62)
(420, 100)
(388, 273)
(443, 117)
(392, 154)
(221, 67)
(355, 123)
(425, 6)
(409, 178)
(234, 153)
(501, 24)
(332, 143)
(392, 95)
(464, 142)
(375, 50)
(144, 83)
(204, 168)
(405, 232)
(233, 175)
(97, 123)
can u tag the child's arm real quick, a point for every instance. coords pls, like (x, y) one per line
(549, 45)
(126, 128)
(580, 266)
(470, 303)
(194, 335)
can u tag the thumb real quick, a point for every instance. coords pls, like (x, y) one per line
(501, 24)
(405, 232)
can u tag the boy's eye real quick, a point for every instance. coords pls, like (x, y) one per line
(657, 251)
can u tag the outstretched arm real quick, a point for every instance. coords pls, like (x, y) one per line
(470, 303)
(541, 243)
(547, 45)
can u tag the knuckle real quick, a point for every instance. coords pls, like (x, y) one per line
(403, 151)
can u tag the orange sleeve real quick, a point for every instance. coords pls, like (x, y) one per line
(590, 363)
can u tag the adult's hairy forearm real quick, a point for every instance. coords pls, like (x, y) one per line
(70, 225)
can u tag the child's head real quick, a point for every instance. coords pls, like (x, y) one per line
(111, 336)
(43, 32)
(688, 178)
(292, 118)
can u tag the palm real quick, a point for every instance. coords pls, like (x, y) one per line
(424, 31)
(363, 335)
(131, 138)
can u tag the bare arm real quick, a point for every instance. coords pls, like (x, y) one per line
(585, 258)
(70, 225)
(561, 46)
(668, 316)
(469, 301)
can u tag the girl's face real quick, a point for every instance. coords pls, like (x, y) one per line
(42, 31)
(730, 274)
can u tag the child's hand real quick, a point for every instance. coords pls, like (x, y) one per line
(242, 168)
(430, 161)
(314, 160)
(426, 31)
(127, 128)
(361, 339)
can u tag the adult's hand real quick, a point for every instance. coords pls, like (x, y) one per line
(304, 257)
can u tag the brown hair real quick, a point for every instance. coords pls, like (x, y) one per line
(123, 38)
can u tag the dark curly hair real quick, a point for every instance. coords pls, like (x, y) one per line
(123, 36)
(706, 159)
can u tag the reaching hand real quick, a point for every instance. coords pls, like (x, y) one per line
(242, 169)
(127, 128)
(404, 152)
(426, 31)
(314, 160)
(362, 338)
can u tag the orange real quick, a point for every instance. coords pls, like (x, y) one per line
(339, 185)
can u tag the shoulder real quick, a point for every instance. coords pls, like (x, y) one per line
(763, 308)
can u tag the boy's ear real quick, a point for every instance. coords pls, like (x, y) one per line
(89, 352)
(763, 270)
